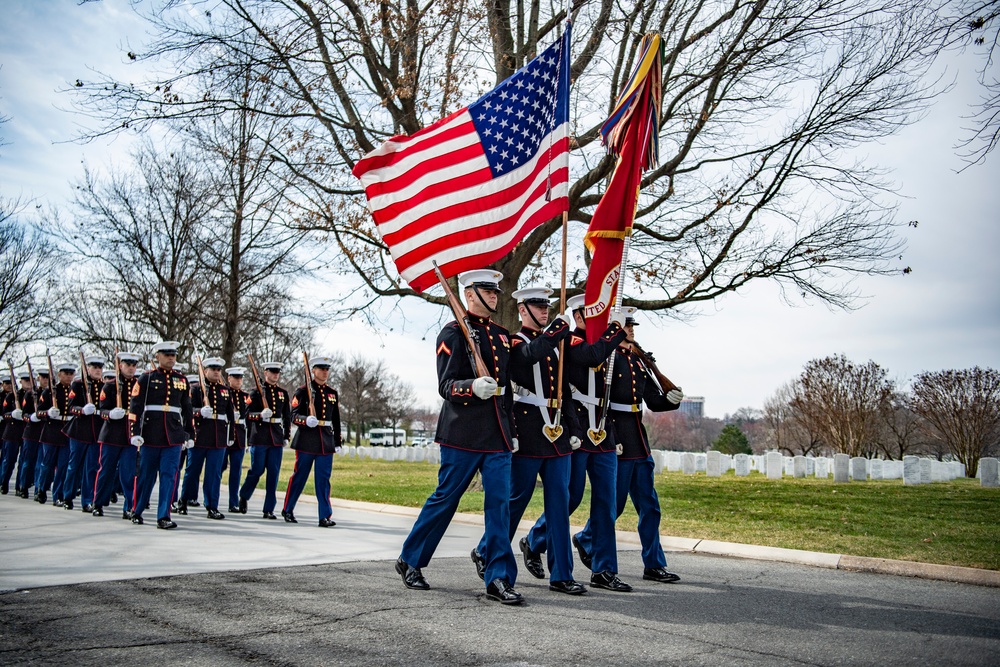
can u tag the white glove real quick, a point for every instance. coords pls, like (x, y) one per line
(568, 319)
(116, 413)
(514, 444)
(206, 412)
(574, 442)
(266, 413)
(312, 422)
(619, 450)
(484, 387)
(54, 412)
(189, 444)
(17, 414)
(89, 409)
(675, 395)
(618, 317)
(34, 417)
(137, 440)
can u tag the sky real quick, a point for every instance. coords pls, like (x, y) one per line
(735, 353)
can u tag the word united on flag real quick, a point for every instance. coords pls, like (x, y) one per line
(464, 191)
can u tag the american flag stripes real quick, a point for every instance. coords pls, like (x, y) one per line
(464, 191)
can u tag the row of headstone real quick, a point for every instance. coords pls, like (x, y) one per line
(430, 454)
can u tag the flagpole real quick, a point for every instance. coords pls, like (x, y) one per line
(619, 296)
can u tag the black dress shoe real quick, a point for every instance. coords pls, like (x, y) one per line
(234, 510)
(327, 523)
(136, 519)
(58, 503)
(660, 574)
(67, 504)
(480, 563)
(609, 581)
(4, 490)
(412, 576)
(97, 511)
(289, 517)
(532, 561)
(165, 524)
(270, 515)
(193, 503)
(182, 507)
(87, 508)
(216, 514)
(114, 498)
(585, 558)
(243, 506)
(568, 587)
(502, 592)
(126, 515)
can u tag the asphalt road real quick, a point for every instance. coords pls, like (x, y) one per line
(353, 609)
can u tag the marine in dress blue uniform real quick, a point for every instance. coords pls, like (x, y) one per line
(29, 471)
(13, 434)
(53, 410)
(82, 433)
(631, 388)
(270, 417)
(476, 434)
(316, 440)
(596, 458)
(238, 447)
(118, 457)
(214, 415)
(544, 446)
(160, 416)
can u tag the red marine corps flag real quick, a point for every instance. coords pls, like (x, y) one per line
(631, 133)
(464, 191)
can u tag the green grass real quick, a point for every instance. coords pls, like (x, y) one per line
(952, 523)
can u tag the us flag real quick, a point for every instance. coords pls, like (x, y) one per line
(464, 191)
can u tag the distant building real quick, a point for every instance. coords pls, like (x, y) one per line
(693, 406)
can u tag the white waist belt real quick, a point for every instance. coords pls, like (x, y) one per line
(221, 418)
(532, 399)
(625, 407)
(163, 408)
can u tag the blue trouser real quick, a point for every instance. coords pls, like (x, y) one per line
(164, 461)
(91, 463)
(211, 459)
(321, 480)
(601, 468)
(555, 474)
(29, 463)
(116, 464)
(635, 479)
(457, 470)
(263, 458)
(234, 461)
(11, 450)
(74, 472)
(55, 459)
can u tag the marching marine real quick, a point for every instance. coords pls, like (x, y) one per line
(13, 434)
(271, 418)
(160, 417)
(213, 428)
(53, 404)
(29, 471)
(118, 456)
(238, 446)
(82, 432)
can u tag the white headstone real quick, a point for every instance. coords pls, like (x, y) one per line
(700, 462)
(799, 467)
(875, 469)
(911, 470)
(841, 468)
(727, 463)
(419, 453)
(687, 463)
(990, 468)
(926, 468)
(741, 462)
(789, 464)
(859, 469)
(892, 470)
(411, 454)
(940, 471)
(775, 464)
(713, 466)
(673, 461)
(659, 460)
(822, 468)
(810, 466)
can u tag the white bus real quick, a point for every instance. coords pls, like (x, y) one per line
(392, 437)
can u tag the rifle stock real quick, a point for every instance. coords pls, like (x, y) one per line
(309, 391)
(256, 381)
(462, 317)
(661, 379)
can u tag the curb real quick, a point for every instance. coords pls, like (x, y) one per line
(902, 568)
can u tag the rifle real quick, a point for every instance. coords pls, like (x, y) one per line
(31, 373)
(309, 391)
(13, 381)
(256, 380)
(118, 389)
(52, 381)
(83, 375)
(462, 317)
(201, 378)
(663, 382)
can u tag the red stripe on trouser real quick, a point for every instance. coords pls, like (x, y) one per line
(295, 469)
(173, 489)
(100, 453)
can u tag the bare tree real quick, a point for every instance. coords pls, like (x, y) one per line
(28, 274)
(789, 430)
(976, 25)
(962, 409)
(844, 403)
(903, 428)
(396, 402)
(359, 383)
(763, 100)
